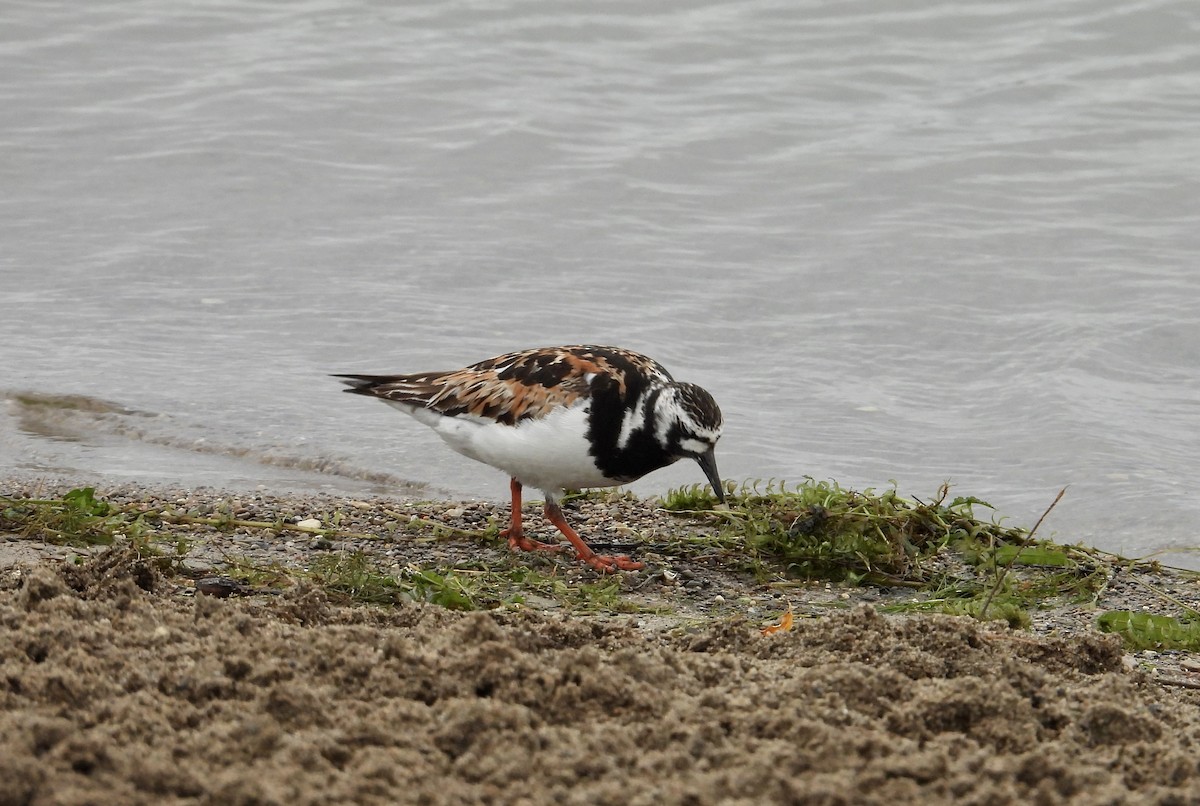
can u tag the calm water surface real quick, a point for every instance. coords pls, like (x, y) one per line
(897, 241)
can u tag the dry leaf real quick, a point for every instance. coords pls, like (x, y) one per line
(785, 623)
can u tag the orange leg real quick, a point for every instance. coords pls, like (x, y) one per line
(604, 563)
(517, 541)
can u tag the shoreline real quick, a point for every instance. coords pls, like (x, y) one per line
(670, 591)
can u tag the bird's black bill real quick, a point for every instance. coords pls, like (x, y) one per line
(708, 463)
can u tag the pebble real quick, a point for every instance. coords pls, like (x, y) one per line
(309, 523)
(194, 565)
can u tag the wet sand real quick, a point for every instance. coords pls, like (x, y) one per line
(119, 684)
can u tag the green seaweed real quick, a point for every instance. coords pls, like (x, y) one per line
(1151, 630)
(79, 518)
(357, 578)
(820, 530)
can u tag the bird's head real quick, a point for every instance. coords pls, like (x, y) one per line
(687, 423)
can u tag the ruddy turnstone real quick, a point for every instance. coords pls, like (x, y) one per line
(558, 418)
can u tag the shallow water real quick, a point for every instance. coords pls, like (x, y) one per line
(897, 242)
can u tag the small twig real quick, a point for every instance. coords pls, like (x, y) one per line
(172, 517)
(445, 529)
(1163, 594)
(1028, 540)
(35, 501)
(727, 514)
(1182, 682)
(223, 521)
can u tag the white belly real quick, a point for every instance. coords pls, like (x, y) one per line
(549, 454)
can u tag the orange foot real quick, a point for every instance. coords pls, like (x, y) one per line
(604, 563)
(519, 542)
(610, 564)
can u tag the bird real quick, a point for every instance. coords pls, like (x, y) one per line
(559, 418)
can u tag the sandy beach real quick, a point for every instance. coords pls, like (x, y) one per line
(122, 681)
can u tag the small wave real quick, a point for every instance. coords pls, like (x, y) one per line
(82, 418)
